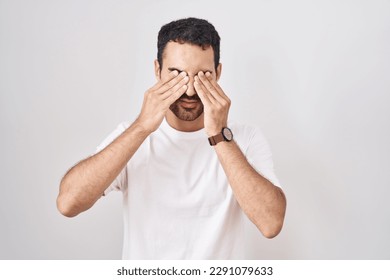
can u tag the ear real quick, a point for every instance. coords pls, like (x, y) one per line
(157, 70)
(219, 71)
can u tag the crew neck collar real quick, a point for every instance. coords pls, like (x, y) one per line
(165, 126)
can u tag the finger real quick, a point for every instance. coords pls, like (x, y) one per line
(214, 91)
(176, 95)
(169, 77)
(206, 90)
(217, 86)
(175, 88)
(201, 92)
(214, 82)
(171, 83)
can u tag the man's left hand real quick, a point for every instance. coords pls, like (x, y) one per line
(216, 103)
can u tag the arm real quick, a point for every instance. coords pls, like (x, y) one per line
(85, 183)
(261, 201)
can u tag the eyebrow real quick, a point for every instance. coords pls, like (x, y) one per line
(178, 70)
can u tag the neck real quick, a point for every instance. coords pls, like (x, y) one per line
(185, 126)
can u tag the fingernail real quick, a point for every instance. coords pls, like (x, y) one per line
(183, 74)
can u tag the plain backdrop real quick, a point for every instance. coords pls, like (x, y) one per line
(314, 75)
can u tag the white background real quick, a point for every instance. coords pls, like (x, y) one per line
(314, 75)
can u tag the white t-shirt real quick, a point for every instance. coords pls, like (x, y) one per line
(178, 203)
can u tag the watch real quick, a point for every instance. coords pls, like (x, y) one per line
(225, 135)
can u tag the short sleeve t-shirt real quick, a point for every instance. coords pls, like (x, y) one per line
(178, 203)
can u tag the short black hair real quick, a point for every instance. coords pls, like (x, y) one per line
(189, 30)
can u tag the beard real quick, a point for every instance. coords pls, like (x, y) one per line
(187, 114)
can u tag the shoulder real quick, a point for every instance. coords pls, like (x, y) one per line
(246, 132)
(120, 128)
(123, 126)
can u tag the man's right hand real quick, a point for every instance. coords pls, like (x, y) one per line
(159, 98)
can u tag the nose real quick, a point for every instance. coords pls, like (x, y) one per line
(191, 90)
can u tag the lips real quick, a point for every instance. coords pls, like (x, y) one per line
(188, 103)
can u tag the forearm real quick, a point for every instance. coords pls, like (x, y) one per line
(85, 183)
(261, 201)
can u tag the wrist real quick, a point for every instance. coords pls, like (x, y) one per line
(212, 133)
(142, 127)
(224, 135)
(215, 130)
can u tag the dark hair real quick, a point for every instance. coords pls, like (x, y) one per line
(189, 30)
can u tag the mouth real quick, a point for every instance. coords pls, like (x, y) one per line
(189, 103)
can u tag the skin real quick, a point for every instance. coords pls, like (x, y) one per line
(182, 57)
(190, 70)
(263, 202)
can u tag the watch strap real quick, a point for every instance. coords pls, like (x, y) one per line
(214, 140)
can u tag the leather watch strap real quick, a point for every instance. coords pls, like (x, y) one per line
(214, 140)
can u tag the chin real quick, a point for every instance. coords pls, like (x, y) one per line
(185, 114)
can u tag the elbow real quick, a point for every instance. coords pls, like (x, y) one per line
(275, 224)
(272, 228)
(271, 231)
(66, 208)
(272, 225)
(66, 202)
(71, 202)
(63, 202)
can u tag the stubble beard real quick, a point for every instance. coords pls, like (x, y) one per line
(186, 114)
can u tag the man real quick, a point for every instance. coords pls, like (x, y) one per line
(188, 176)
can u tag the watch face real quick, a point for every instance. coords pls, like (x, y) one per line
(227, 133)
